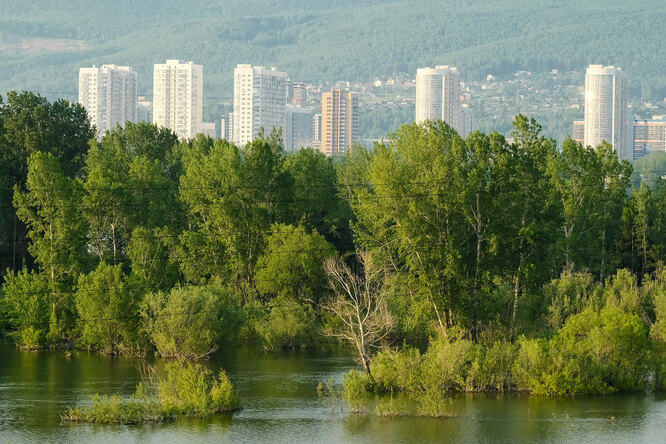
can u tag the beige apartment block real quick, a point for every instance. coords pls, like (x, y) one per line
(339, 121)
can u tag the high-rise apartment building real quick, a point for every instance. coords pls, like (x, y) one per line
(144, 109)
(108, 94)
(578, 131)
(209, 129)
(466, 121)
(438, 96)
(227, 127)
(339, 121)
(606, 109)
(178, 97)
(260, 99)
(649, 136)
(298, 128)
(316, 132)
(296, 94)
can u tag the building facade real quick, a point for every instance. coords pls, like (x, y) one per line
(227, 127)
(316, 132)
(466, 121)
(298, 128)
(178, 97)
(649, 136)
(260, 98)
(144, 111)
(108, 94)
(438, 96)
(339, 121)
(209, 129)
(578, 131)
(606, 112)
(296, 94)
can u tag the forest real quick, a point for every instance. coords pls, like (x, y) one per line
(523, 266)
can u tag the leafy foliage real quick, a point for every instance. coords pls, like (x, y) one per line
(187, 390)
(189, 322)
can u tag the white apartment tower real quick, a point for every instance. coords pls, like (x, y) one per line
(108, 94)
(606, 109)
(438, 95)
(260, 99)
(178, 97)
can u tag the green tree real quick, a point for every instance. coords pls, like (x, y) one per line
(128, 186)
(641, 230)
(108, 310)
(592, 184)
(56, 229)
(232, 198)
(291, 266)
(149, 141)
(151, 254)
(27, 305)
(29, 124)
(526, 228)
(317, 204)
(407, 217)
(478, 182)
(107, 203)
(189, 323)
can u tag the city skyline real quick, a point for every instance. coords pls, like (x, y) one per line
(438, 91)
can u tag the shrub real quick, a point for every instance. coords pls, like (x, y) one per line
(355, 388)
(223, 397)
(490, 368)
(593, 353)
(189, 323)
(189, 389)
(396, 369)
(288, 324)
(390, 406)
(106, 293)
(446, 363)
(530, 364)
(26, 307)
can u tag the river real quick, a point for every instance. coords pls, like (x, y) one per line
(281, 405)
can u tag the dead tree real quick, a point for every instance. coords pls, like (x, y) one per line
(359, 302)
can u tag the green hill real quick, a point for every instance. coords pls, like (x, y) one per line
(338, 39)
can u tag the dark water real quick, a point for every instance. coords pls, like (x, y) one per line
(281, 405)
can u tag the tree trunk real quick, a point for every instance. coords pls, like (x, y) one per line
(113, 238)
(516, 292)
(439, 319)
(603, 255)
(365, 361)
(479, 240)
(14, 245)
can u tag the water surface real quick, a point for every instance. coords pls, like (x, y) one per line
(278, 393)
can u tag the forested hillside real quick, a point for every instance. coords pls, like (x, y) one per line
(340, 39)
